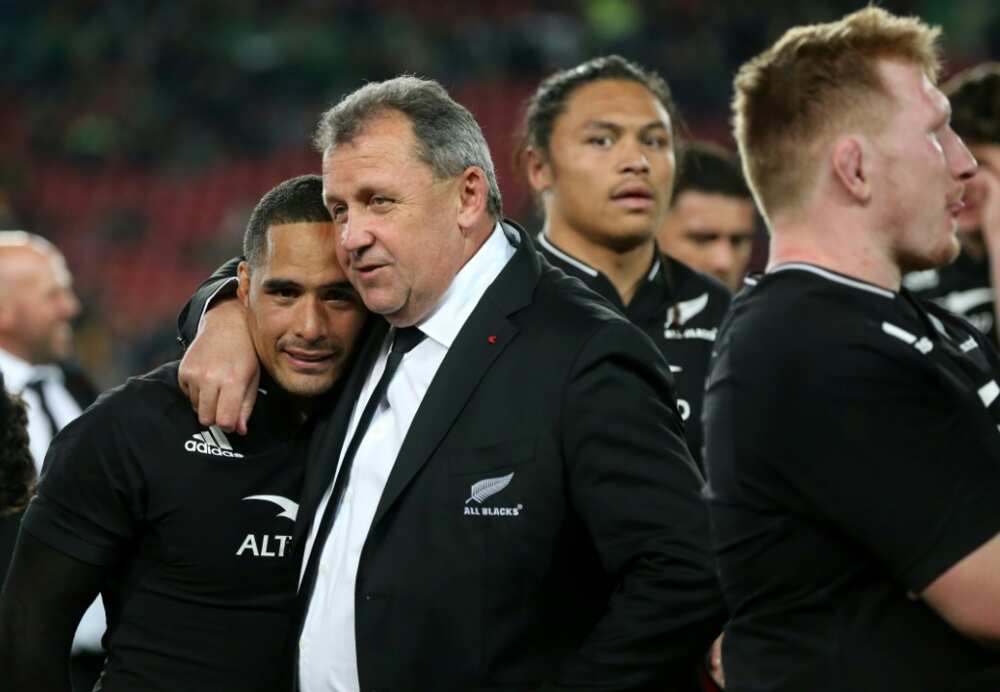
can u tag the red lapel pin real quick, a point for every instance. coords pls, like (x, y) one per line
(491, 338)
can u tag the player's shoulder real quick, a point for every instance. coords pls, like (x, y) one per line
(805, 310)
(566, 301)
(155, 394)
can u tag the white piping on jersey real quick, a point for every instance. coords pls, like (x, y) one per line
(899, 333)
(923, 344)
(832, 276)
(938, 325)
(988, 392)
(654, 271)
(968, 345)
(586, 269)
(750, 281)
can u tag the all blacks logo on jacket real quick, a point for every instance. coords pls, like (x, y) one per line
(488, 487)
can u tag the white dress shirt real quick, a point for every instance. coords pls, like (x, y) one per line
(327, 649)
(17, 374)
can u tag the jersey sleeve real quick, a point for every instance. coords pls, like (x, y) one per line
(92, 492)
(891, 457)
(222, 283)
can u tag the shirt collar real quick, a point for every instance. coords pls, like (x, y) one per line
(18, 373)
(467, 288)
(580, 265)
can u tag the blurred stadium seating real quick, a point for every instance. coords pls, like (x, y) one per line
(138, 135)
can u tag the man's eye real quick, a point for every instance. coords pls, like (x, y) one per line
(602, 141)
(343, 297)
(338, 212)
(656, 142)
(379, 201)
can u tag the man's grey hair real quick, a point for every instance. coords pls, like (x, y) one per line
(449, 139)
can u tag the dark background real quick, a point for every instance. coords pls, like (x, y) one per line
(138, 135)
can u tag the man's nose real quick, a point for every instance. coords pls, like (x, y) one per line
(309, 322)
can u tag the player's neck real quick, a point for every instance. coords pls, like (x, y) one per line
(625, 268)
(838, 247)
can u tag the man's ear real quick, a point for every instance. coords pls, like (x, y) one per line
(851, 168)
(537, 169)
(243, 287)
(473, 196)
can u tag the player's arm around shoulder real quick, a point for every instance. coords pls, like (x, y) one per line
(220, 371)
(637, 490)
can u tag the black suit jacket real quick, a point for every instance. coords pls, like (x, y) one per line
(588, 565)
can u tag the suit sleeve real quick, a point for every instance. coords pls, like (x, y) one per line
(220, 283)
(637, 490)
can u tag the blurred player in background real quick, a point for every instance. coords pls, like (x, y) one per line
(598, 147)
(966, 287)
(711, 221)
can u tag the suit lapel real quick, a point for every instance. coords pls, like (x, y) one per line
(485, 335)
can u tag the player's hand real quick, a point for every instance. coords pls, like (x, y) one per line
(220, 372)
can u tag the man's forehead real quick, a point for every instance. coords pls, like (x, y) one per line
(617, 100)
(29, 260)
(909, 81)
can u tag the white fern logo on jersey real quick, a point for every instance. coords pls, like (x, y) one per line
(289, 509)
(489, 487)
(688, 309)
(212, 442)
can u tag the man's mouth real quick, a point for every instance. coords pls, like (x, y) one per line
(366, 270)
(633, 196)
(308, 360)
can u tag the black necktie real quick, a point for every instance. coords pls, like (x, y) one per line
(38, 387)
(404, 341)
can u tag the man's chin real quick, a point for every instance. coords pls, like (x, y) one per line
(942, 258)
(629, 237)
(304, 385)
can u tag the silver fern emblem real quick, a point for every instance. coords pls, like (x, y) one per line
(489, 487)
(686, 310)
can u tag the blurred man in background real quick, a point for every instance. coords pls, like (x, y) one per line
(37, 304)
(966, 287)
(711, 221)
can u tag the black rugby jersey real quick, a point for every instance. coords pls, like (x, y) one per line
(963, 288)
(680, 309)
(853, 456)
(195, 527)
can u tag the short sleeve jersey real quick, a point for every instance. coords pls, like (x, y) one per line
(853, 456)
(195, 528)
(679, 309)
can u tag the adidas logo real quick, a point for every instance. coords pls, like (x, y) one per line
(212, 442)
